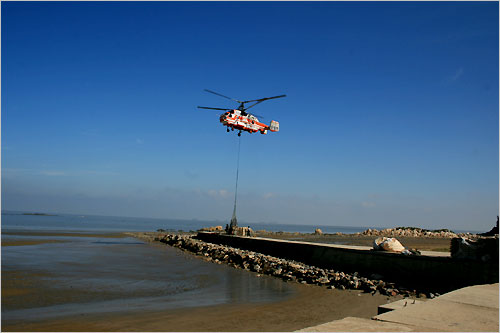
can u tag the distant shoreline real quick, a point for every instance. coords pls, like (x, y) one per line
(38, 214)
(31, 214)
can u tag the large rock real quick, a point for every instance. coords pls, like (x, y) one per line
(318, 231)
(388, 244)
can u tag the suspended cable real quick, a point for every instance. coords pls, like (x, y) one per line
(234, 221)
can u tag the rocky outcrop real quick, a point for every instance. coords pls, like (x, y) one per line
(389, 232)
(287, 270)
(412, 232)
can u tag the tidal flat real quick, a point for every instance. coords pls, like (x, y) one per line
(56, 281)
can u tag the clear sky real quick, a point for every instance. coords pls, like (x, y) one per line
(390, 119)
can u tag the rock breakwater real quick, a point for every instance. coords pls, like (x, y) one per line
(388, 232)
(287, 270)
(414, 232)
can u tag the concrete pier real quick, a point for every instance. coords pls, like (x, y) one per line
(431, 270)
(470, 309)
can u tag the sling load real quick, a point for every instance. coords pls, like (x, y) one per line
(234, 222)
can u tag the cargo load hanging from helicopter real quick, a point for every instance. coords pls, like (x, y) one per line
(241, 120)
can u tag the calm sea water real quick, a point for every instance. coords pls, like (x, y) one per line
(17, 220)
(79, 275)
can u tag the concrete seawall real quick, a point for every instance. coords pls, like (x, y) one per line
(441, 273)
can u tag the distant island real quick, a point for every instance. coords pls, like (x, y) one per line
(38, 214)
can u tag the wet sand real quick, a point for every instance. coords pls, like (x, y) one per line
(62, 234)
(308, 305)
(25, 240)
(29, 242)
(313, 305)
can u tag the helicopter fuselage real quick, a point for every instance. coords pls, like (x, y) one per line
(240, 120)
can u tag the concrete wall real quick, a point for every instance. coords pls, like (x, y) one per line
(440, 273)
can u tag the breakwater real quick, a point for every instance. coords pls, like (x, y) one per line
(436, 273)
(289, 270)
(414, 232)
(388, 232)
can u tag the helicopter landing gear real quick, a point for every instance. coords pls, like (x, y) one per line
(239, 133)
(227, 130)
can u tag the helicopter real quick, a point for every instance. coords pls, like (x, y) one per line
(241, 120)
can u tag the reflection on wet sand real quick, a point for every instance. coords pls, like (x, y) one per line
(28, 242)
(65, 234)
(46, 277)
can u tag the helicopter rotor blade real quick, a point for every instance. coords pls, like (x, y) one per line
(251, 106)
(263, 99)
(207, 107)
(213, 92)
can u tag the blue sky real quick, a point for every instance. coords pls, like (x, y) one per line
(390, 119)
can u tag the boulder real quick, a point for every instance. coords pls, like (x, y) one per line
(388, 244)
(318, 232)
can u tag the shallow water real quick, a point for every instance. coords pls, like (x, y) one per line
(94, 274)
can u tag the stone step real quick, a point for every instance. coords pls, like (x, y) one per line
(402, 303)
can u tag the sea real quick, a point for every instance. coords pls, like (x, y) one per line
(92, 223)
(56, 265)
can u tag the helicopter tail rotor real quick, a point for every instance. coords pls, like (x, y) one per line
(274, 126)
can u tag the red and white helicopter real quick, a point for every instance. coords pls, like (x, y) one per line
(241, 120)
